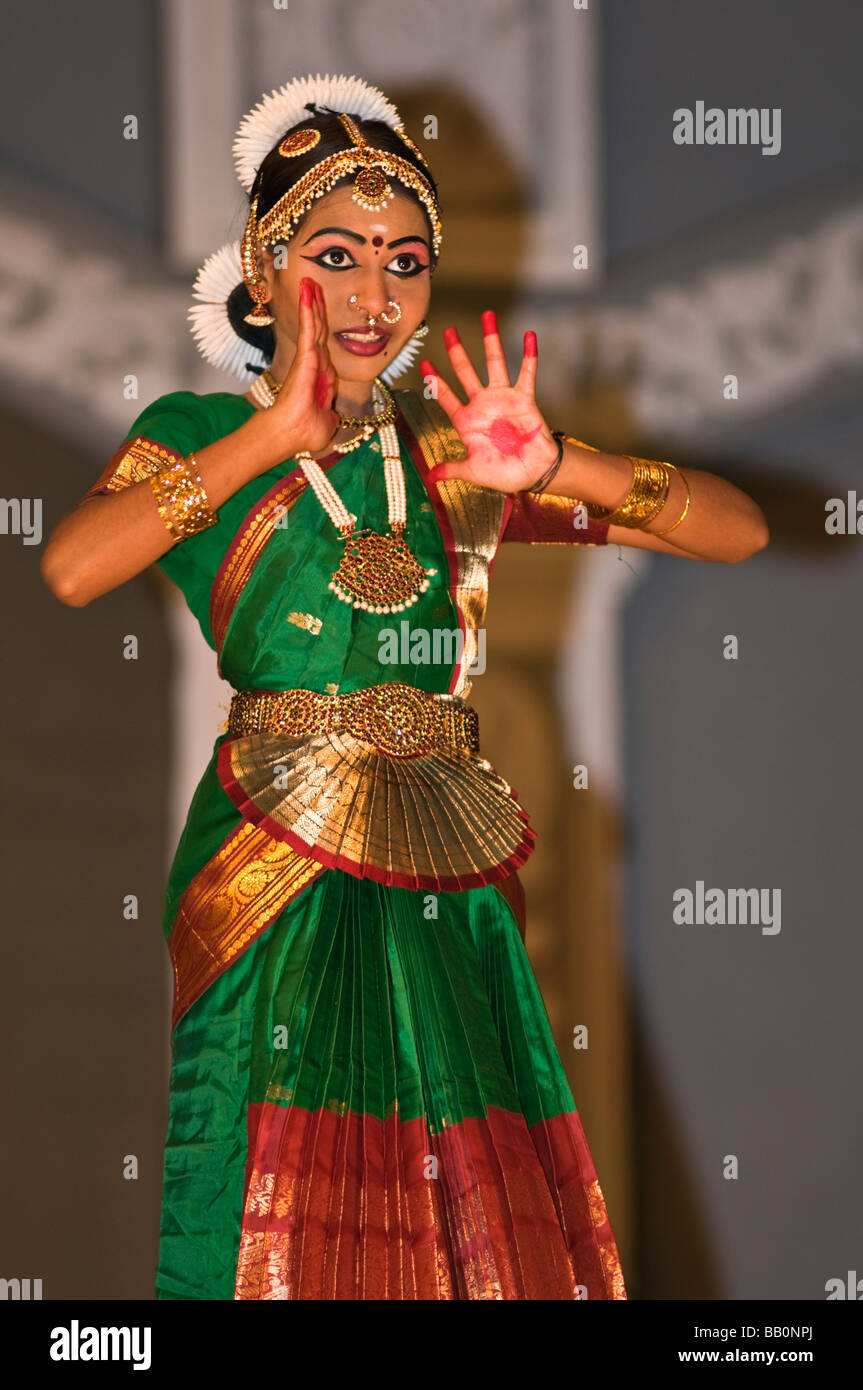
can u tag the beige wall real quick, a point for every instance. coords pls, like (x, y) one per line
(83, 992)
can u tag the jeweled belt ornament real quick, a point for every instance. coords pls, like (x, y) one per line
(394, 718)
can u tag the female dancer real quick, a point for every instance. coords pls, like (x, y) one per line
(366, 1099)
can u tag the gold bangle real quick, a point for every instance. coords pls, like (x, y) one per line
(580, 443)
(648, 494)
(685, 505)
(184, 496)
(646, 497)
(164, 512)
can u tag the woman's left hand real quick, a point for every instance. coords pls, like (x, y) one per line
(508, 442)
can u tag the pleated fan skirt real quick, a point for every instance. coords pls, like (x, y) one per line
(369, 1104)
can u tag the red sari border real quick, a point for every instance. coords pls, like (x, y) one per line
(487, 1208)
(549, 519)
(241, 555)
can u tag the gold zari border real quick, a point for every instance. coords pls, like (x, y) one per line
(475, 516)
(236, 895)
(134, 461)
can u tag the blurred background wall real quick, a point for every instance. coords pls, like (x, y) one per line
(704, 263)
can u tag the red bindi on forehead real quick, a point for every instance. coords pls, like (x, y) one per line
(377, 241)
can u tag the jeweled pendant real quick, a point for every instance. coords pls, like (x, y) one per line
(259, 317)
(379, 573)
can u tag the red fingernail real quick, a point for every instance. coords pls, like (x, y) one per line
(489, 321)
(450, 337)
(426, 368)
(305, 291)
(530, 343)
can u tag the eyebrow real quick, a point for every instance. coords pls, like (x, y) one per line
(355, 236)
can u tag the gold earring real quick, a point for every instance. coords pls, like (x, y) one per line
(255, 283)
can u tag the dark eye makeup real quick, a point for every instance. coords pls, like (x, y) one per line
(343, 251)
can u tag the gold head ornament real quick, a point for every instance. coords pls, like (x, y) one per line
(372, 190)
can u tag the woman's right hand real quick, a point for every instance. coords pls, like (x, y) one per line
(303, 406)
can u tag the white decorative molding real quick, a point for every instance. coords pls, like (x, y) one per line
(200, 702)
(517, 76)
(783, 321)
(591, 682)
(77, 321)
(203, 103)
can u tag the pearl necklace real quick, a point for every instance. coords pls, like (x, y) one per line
(377, 572)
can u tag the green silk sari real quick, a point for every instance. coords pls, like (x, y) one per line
(366, 1100)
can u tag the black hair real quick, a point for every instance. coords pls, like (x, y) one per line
(277, 176)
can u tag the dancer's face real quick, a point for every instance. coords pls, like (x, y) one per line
(377, 256)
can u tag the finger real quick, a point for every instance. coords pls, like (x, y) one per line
(326, 369)
(306, 334)
(315, 314)
(324, 390)
(444, 395)
(305, 353)
(442, 471)
(526, 379)
(321, 314)
(461, 363)
(497, 369)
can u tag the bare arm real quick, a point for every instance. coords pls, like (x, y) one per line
(107, 539)
(722, 522)
(510, 446)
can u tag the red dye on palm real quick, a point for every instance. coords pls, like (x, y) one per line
(508, 438)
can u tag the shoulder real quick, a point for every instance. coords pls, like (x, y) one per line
(176, 405)
(179, 421)
(168, 428)
(184, 403)
(195, 419)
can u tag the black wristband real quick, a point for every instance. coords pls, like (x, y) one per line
(542, 483)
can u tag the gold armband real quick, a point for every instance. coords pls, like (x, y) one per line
(645, 499)
(181, 499)
(647, 495)
(685, 505)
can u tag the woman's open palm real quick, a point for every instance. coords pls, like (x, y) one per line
(508, 442)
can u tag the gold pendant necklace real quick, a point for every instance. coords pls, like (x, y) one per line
(377, 572)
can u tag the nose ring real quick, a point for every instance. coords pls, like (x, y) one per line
(385, 319)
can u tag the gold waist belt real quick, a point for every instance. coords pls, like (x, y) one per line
(394, 718)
